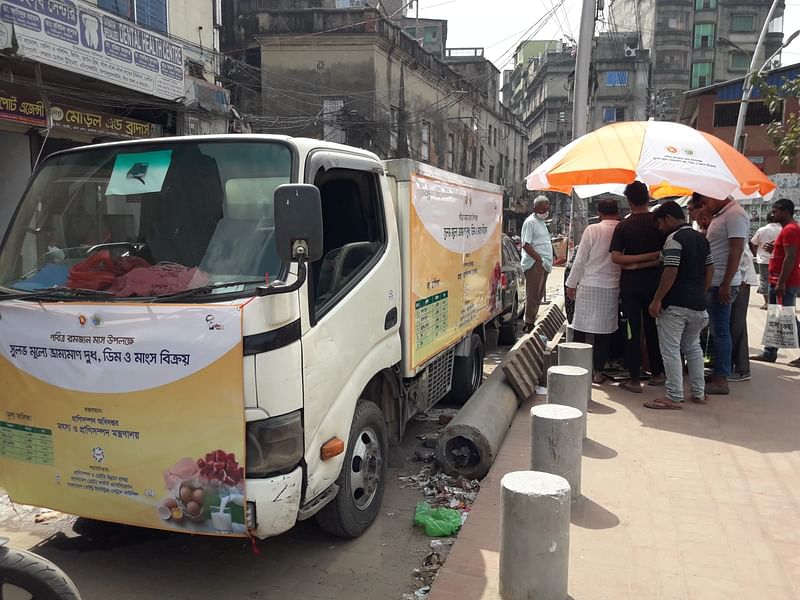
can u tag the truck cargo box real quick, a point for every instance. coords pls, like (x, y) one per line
(450, 232)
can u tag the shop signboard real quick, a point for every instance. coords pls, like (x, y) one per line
(78, 37)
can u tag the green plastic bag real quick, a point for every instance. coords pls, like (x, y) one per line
(438, 522)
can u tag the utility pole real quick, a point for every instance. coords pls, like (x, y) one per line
(747, 86)
(583, 59)
(580, 105)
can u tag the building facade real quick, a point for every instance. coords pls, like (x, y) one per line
(354, 77)
(715, 109)
(695, 43)
(73, 72)
(619, 90)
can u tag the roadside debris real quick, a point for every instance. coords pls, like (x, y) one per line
(438, 522)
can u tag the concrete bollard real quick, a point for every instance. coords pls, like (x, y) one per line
(534, 542)
(557, 443)
(577, 354)
(567, 386)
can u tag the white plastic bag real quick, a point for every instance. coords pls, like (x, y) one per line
(781, 329)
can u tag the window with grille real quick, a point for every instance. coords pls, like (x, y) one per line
(451, 149)
(727, 113)
(332, 130)
(425, 146)
(616, 78)
(394, 130)
(612, 114)
(743, 23)
(147, 13)
(673, 22)
(672, 60)
(704, 35)
(740, 61)
(704, 4)
(701, 75)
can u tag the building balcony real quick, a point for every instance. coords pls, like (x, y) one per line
(675, 36)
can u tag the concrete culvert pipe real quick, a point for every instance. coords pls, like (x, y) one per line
(469, 444)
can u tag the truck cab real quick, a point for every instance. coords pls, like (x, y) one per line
(297, 251)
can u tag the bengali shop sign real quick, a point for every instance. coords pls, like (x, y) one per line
(76, 36)
(130, 414)
(20, 107)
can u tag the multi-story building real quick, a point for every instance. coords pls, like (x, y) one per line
(355, 77)
(620, 73)
(715, 109)
(695, 43)
(74, 72)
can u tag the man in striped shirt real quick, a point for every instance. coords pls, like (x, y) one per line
(679, 305)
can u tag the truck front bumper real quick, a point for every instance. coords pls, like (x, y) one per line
(277, 502)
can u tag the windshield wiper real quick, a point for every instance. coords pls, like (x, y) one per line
(205, 289)
(56, 293)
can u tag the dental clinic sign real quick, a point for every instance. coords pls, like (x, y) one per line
(78, 37)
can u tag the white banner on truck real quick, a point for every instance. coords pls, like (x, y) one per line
(115, 349)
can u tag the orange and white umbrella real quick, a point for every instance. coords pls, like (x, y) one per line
(672, 159)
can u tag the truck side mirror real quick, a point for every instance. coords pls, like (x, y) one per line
(298, 222)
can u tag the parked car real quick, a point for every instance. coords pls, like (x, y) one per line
(513, 285)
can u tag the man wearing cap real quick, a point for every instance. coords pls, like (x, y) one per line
(537, 258)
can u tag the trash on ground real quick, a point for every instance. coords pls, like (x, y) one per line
(424, 454)
(439, 522)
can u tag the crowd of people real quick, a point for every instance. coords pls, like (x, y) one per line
(676, 291)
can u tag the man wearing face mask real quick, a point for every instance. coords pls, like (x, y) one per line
(537, 258)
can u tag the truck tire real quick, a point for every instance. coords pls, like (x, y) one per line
(363, 477)
(507, 331)
(468, 372)
(21, 570)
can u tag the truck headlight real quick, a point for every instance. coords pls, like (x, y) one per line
(274, 445)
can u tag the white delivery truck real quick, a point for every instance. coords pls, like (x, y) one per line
(223, 334)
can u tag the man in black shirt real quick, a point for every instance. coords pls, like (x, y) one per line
(636, 246)
(679, 304)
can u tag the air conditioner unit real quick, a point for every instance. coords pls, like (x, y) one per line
(630, 52)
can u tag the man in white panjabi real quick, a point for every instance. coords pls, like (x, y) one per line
(593, 283)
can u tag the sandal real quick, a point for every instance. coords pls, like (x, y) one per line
(703, 400)
(599, 378)
(663, 404)
(629, 385)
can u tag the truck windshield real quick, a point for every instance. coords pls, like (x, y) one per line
(148, 220)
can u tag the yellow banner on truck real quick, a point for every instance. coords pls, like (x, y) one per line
(455, 235)
(125, 413)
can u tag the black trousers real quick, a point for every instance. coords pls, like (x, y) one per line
(601, 346)
(635, 310)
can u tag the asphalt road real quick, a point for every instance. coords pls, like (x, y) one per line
(109, 561)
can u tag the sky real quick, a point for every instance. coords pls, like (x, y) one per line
(499, 28)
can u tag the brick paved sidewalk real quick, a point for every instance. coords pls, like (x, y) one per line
(699, 504)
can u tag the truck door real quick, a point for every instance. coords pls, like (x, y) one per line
(353, 303)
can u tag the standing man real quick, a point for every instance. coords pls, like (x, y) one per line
(679, 305)
(765, 235)
(635, 247)
(784, 270)
(537, 258)
(593, 284)
(727, 232)
(740, 345)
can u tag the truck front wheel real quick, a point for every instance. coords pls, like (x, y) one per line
(363, 477)
(468, 372)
